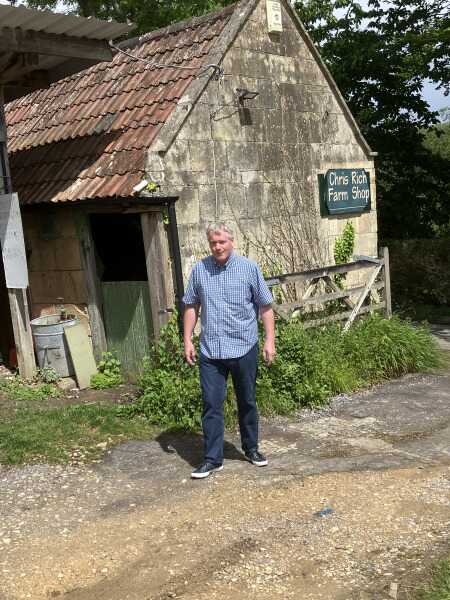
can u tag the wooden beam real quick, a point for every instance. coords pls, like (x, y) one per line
(92, 283)
(39, 42)
(318, 273)
(387, 282)
(342, 316)
(158, 269)
(362, 297)
(327, 297)
(22, 332)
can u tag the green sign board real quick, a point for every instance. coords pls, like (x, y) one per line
(344, 191)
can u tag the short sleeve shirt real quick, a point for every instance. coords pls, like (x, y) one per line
(229, 296)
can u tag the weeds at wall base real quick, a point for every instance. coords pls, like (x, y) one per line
(311, 367)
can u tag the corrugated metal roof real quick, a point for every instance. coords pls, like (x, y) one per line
(87, 135)
(49, 22)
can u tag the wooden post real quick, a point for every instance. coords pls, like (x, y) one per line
(22, 332)
(387, 282)
(92, 284)
(18, 302)
(158, 269)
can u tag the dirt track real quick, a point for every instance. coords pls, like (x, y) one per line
(136, 527)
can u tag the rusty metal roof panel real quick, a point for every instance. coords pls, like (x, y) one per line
(87, 135)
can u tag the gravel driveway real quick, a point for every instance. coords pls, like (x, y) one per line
(355, 504)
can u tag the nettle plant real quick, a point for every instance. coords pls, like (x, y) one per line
(343, 250)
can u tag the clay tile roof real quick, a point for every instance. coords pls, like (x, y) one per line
(86, 136)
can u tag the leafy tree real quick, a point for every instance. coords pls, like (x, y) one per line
(380, 56)
(147, 15)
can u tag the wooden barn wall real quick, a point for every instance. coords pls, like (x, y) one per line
(54, 261)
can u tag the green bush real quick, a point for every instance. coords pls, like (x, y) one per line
(109, 372)
(170, 387)
(311, 366)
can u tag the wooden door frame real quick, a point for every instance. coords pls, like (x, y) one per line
(156, 253)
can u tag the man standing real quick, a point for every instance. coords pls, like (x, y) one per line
(230, 291)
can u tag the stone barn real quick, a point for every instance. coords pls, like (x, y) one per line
(232, 116)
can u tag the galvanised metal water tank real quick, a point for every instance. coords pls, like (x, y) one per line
(50, 343)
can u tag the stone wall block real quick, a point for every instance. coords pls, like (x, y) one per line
(227, 126)
(293, 45)
(188, 207)
(270, 156)
(207, 203)
(273, 126)
(315, 128)
(234, 205)
(254, 194)
(290, 127)
(249, 177)
(282, 68)
(245, 155)
(197, 126)
(203, 153)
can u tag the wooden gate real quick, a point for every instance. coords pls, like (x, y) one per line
(373, 294)
(128, 324)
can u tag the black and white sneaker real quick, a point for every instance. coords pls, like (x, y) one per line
(256, 458)
(205, 470)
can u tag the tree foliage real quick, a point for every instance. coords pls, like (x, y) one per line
(146, 15)
(380, 56)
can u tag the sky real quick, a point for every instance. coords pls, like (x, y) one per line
(435, 98)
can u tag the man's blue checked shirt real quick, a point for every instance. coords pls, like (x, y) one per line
(229, 296)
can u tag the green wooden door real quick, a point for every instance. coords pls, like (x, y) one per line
(128, 325)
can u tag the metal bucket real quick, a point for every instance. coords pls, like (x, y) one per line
(50, 343)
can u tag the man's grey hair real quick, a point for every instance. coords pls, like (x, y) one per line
(218, 228)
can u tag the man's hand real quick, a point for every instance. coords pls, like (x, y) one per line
(189, 353)
(269, 352)
(189, 321)
(268, 320)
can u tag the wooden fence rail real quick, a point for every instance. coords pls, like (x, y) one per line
(368, 298)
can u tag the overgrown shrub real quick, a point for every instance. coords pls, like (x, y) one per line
(170, 387)
(311, 366)
(109, 372)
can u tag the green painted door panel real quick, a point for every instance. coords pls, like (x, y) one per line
(128, 325)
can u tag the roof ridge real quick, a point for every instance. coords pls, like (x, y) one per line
(191, 23)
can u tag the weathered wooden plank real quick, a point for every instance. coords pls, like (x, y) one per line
(342, 316)
(81, 353)
(92, 283)
(326, 297)
(332, 285)
(361, 299)
(387, 282)
(319, 273)
(22, 332)
(158, 268)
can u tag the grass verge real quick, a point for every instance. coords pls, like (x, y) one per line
(78, 433)
(439, 587)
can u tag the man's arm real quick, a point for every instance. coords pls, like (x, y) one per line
(189, 321)
(268, 320)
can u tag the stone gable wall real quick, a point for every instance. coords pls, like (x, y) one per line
(244, 167)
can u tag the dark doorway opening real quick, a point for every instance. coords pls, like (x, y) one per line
(123, 281)
(119, 246)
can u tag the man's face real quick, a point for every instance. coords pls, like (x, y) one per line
(221, 246)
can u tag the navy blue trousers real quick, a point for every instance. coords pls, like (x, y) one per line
(213, 379)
